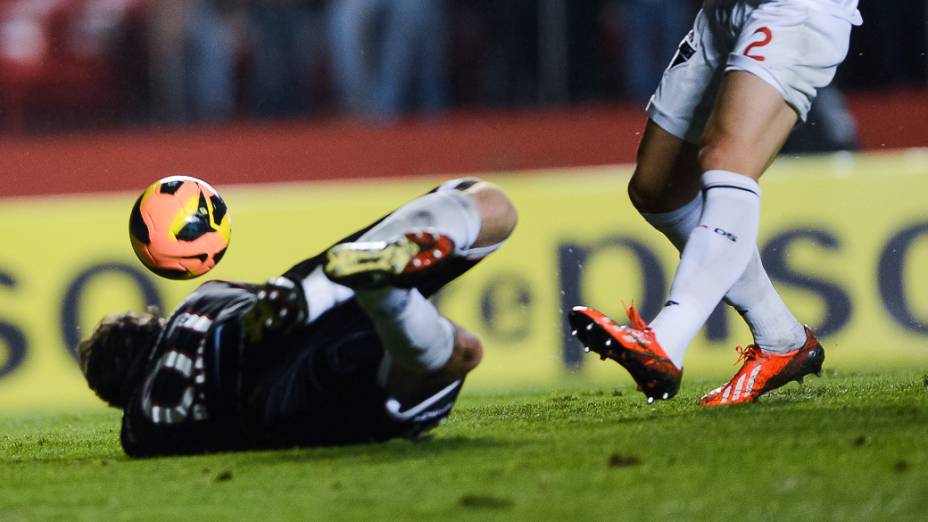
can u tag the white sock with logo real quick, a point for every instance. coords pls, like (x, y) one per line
(716, 254)
(773, 326)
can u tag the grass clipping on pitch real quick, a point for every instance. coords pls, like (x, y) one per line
(848, 447)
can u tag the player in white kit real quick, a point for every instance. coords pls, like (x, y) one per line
(738, 84)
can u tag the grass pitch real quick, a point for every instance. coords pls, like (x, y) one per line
(845, 447)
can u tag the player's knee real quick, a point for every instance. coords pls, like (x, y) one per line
(711, 156)
(498, 215)
(645, 197)
(638, 194)
(721, 153)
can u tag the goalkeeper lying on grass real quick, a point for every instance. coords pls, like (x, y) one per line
(343, 348)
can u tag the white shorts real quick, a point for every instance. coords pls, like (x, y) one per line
(794, 45)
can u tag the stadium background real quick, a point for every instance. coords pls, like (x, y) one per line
(90, 114)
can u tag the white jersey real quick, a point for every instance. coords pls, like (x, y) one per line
(846, 9)
(794, 45)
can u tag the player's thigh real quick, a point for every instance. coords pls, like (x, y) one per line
(667, 172)
(747, 128)
(784, 52)
(792, 46)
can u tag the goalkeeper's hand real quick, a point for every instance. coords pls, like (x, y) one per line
(280, 307)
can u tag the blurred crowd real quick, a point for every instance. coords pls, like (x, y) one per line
(68, 64)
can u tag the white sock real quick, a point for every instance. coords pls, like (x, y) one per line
(677, 224)
(322, 294)
(773, 326)
(409, 326)
(716, 254)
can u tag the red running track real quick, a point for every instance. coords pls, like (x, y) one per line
(460, 143)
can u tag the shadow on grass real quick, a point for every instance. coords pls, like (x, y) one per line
(394, 450)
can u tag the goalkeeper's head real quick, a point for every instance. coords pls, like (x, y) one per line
(107, 356)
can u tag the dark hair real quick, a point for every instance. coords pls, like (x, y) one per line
(109, 353)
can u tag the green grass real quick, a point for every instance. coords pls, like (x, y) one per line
(845, 447)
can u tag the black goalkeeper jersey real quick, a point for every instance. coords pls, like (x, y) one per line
(203, 388)
(188, 387)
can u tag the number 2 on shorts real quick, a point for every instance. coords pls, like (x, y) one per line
(765, 39)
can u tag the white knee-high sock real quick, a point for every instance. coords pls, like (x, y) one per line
(677, 224)
(716, 254)
(773, 326)
(410, 327)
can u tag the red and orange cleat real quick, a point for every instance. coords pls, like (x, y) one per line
(764, 371)
(633, 346)
(371, 264)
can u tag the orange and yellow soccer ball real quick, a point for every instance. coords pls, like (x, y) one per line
(180, 227)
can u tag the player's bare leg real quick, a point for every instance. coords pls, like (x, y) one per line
(748, 127)
(668, 170)
(666, 174)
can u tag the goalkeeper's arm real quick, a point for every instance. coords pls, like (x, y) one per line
(279, 308)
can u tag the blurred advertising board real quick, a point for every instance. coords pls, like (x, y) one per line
(844, 237)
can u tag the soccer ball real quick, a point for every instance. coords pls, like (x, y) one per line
(180, 227)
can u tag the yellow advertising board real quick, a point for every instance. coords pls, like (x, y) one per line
(844, 237)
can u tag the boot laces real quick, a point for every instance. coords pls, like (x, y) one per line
(746, 353)
(634, 318)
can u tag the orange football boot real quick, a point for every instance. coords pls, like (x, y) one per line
(633, 346)
(764, 371)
